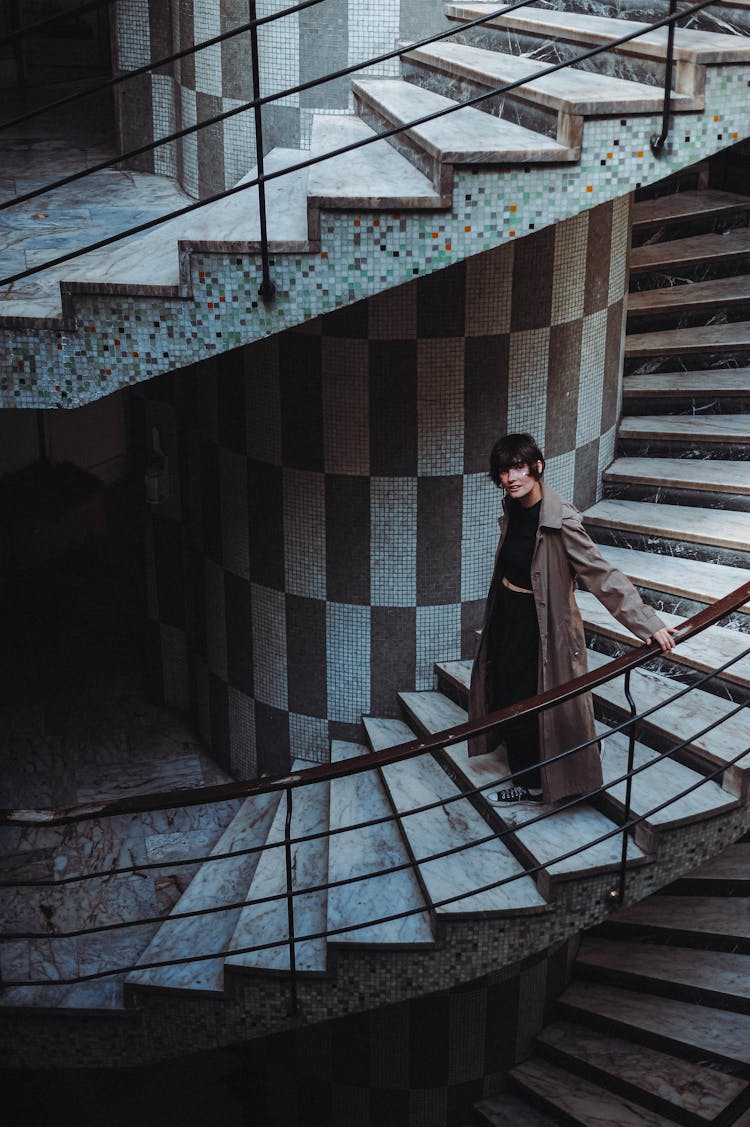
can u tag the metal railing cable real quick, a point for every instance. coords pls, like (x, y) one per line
(55, 18)
(128, 870)
(307, 163)
(468, 792)
(328, 933)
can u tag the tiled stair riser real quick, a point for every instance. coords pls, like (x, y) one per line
(358, 257)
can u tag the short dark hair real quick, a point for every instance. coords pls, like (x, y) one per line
(515, 450)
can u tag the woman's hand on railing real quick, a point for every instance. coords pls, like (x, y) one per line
(665, 638)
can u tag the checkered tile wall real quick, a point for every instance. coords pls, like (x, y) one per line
(335, 34)
(331, 525)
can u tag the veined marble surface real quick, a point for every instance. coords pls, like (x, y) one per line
(421, 781)
(689, 714)
(548, 839)
(708, 650)
(264, 923)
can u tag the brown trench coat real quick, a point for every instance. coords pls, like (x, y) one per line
(563, 550)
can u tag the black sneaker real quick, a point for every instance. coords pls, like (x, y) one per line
(516, 794)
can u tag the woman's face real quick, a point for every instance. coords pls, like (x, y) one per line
(520, 483)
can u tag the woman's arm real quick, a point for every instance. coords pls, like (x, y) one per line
(613, 589)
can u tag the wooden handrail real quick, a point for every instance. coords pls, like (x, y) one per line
(447, 738)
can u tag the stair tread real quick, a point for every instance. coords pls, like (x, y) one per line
(466, 136)
(692, 579)
(694, 248)
(152, 259)
(371, 176)
(690, 713)
(690, 296)
(263, 923)
(572, 91)
(732, 864)
(725, 972)
(708, 650)
(714, 381)
(354, 799)
(722, 527)
(704, 915)
(696, 46)
(675, 1023)
(690, 339)
(687, 204)
(659, 783)
(420, 781)
(689, 473)
(506, 1110)
(683, 1085)
(561, 832)
(217, 881)
(586, 1103)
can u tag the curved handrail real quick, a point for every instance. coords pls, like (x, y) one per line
(186, 797)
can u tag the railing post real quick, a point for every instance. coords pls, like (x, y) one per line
(628, 789)
(267, 289)
(293, 1005)
(658, 139)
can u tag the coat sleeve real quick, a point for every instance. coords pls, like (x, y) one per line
(613, 589)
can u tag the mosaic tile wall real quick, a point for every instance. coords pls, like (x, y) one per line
(421, 1063)
(120, 335)
(331, 525)
(336, 34)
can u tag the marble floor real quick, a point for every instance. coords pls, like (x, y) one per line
(42, 150)
(77, 724)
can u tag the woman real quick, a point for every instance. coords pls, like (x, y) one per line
(532, 637)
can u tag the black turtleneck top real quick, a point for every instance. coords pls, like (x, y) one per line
(518, 545)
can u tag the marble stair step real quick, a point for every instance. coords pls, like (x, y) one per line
(707, 474)
(672, 1025)
(719, 978)
(682, 720)
(373, 176)
(507, 1110)
(708, 650)
(574, 92)
(545, 841)
(729, 871)
(579, 1101)
(671, 722)
(689, 579)
(466, 136)
(578, 27)
(691, 297)
(714, 382)
(661, 1082)
(151, 260)
(222, 880)
(417, 782)
(713, 919)
(689, 341)
(705, 203)
(654, 785)
(724, 528)
(672, 254)
(354, 799)
(264, 923)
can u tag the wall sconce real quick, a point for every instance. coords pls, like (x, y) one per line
(156, 477)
